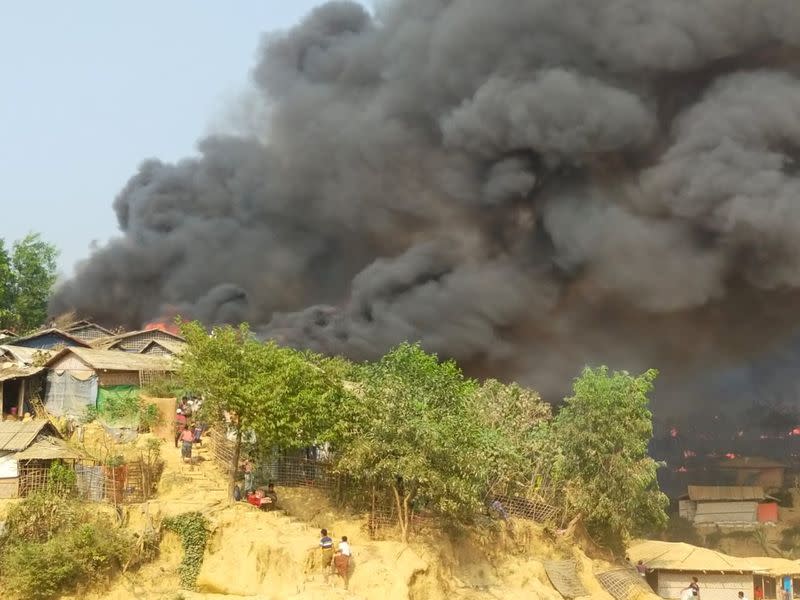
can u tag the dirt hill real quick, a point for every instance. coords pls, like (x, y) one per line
(271, 556)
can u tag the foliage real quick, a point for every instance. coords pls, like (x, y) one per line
(277, 393)
(601, 435)
(516, 414)
(90, 415)
(127, 408)
(61, 480)
(166, 386)
(54, 545)
(27, 274)
(192, 528)
(415, 427)
(682, 530)
(149, 416)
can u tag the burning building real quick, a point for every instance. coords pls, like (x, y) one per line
(525, 186)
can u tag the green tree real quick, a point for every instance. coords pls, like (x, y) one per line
(415, 428)
(602, 433)
(276, 393)
(516, 415)
(27, 275)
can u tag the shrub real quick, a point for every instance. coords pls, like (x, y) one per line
(192, 527)
(53, 545)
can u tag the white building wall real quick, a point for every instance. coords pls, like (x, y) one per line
(713, 586)
(726, 512)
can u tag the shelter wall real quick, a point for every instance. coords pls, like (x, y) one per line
(713, 586)
(726, 512)
(70, 362)
(136, 343)
(118, 378)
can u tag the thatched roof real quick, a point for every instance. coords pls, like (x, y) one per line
(48, 448)
(678, 556)
(776, 566)
(23, 354)
(18, 435)
(111, 360)
(12, 371)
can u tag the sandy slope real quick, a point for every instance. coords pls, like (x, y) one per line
(272, 556)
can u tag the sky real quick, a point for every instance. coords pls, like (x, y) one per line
(88, 89)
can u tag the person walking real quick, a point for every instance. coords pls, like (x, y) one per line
(342, 561)
(326, 545)
(187, 439)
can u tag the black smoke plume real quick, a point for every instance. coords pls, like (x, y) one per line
(524, 185)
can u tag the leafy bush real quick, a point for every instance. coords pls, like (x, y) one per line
(61, 480)
(192, 527)
(149, 417)
(167, 386)
(53, 545)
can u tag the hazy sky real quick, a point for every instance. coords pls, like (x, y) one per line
(90, 88)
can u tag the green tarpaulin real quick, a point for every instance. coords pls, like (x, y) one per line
(118, 403)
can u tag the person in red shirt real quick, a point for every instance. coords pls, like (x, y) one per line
(758, 593)
(180, 424)
(187, 439)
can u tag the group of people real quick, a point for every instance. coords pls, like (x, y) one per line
(338, 560)
(187, 432)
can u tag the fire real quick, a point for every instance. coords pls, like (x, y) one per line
(689, 453)
(795, 431)
(673, 432)
(163, 326)
(730, 455)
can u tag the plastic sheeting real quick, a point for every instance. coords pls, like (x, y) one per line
(68, 395)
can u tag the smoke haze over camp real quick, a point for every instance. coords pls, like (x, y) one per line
(526, 186)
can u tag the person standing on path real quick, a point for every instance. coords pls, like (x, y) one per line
(326, 545)
(249, 478)
(187, 439)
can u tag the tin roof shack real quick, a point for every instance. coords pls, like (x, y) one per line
(763, 472)
(48, 339)
(78, 377)
(25, 445)
(732, 506)
(164, 348)
(87, 331)
(673, 564)
(135, 341)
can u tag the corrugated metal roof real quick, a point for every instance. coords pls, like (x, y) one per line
(708, 493)
(18, 435)
(678, 556)
(25, 355)
(12, 371)
(48, 448)
(112, 360)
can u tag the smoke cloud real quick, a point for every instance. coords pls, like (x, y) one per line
(524, 185)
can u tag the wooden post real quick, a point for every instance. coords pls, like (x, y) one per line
(21, 398)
